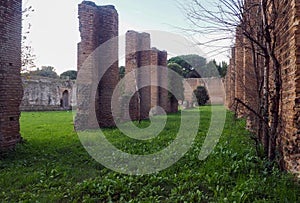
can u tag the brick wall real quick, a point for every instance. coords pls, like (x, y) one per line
(288, 54)
(10, 80)
(239, 64)
(289, 57)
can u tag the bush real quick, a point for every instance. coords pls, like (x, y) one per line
(201, 95)
(70, 74)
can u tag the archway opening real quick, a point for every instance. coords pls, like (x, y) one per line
(65, 100)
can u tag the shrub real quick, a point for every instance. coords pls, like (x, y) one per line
(201, 95)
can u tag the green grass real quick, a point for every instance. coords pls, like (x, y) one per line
(52, 166)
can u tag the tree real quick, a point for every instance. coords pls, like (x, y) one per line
(201, 95)
(175, 82)
(189, 64)
(70, 74)
(45, 71)
(255, 23)
(195, 66)
(27, 55)
(222, 68)
(122, 71)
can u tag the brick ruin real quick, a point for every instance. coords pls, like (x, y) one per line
(10, 78)
(139, 54)
(243, 82)
(98, 24)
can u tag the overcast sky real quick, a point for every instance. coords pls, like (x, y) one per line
(55, 34)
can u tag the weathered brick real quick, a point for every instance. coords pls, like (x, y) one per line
(98, 24)
(10, 79)
(287, 52)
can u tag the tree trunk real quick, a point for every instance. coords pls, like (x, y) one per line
(274, 109)
(265, 107)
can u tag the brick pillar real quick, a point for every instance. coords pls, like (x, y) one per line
(11, 90)
(138, 55)
(132, 43)
(154, 77)
(109, 28)
(163, 80)
(144, 75)
(98, 24)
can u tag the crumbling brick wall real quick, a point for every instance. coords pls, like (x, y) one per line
(288, 54)
(98, 24)
(10, 79)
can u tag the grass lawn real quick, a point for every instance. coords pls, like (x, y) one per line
(52, 166)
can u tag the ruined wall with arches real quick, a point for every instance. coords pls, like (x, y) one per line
(47, 94)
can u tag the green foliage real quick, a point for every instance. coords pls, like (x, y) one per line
(52, 166)
(189, 64)
(201, 95)
(176, 68)
(45, 71)
(70, 74)
(222, 68)
(175, 82)
(195, 66)
(122, 71)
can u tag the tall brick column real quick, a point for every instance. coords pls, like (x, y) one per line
(159, 76)
(98, 24)
(138, 55)
(163, 80)
(154, 77)
(11, 90)
(144, 75)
